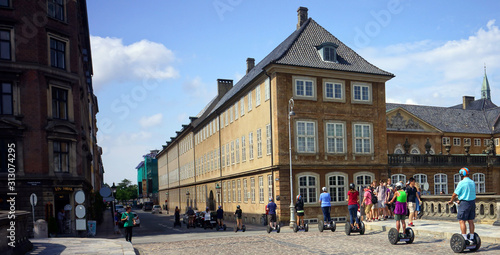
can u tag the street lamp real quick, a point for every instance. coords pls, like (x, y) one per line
(290, 114)
(113, 209)
(218, 189)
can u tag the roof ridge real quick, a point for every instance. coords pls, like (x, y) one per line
(300, 31)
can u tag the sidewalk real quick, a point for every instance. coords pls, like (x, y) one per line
(441, 229)
(105, 242)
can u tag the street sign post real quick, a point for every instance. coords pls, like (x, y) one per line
(33, 201)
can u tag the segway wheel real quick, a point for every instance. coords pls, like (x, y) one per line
(410, 234)
(235, 229)
(224, 227)
(268, 229)
(320, 226)
(187, 225)
(393, 236)
(295, 228)
(347, 228)
(278, 228)
(362, 228)
(333, 226)
(243, 228)
(217, 227)
(457, 243)
(477, 241)
(306, 227)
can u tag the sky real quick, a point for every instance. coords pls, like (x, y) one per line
(156, 63)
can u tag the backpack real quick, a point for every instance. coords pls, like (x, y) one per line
(374, 197)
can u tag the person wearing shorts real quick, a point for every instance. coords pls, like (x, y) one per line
(271, 207)
(299, 208)
(466, 211)
(367, 201)
(413, 196)
(400, 208)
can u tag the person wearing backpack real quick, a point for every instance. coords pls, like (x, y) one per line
(367, 201)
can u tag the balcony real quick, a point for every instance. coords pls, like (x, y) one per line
(442, 160)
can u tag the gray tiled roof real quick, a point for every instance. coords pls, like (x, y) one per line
(453, 120)
(480, 104)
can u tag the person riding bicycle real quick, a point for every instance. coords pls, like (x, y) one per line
(220, 216)
(299, 208)
(466, 211)
(271, 207)
(324, 201)
(400, 208)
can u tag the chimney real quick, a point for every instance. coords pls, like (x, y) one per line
(223, 86)
(302, 14)
(250, 64)
(466, 100)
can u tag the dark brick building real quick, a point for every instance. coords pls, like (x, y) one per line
(47, 105)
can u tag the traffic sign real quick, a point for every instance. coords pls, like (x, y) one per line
(33, 199)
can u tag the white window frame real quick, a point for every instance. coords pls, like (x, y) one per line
(224, 189)
(480, 182)
(395, 178)
(261, 189)
(305, 80)
(477, 142)
(335, 137)
(334, 189)
(456, 141)
(234, 190)
(259, 143)
(419, 178)
(250, 101)
(443, 186)
(446, 141)
(456, 180)
(250, 146)
(236, 111)
(363, 138)
(243, 149)
(245, 190)
(334, 83)
(467, 141)
(364, 180)
(257, 96)
(362, 85)
(242, 106)
(237, 145)
(227, 117)
(268, 139)
(223, 156)
(232, 153)
(231, 114)
(306, 137)
(267, 89)
(308, 197)
(228, 159)
(239, 189)
(252, 189)
(486, 142)
(270, 185)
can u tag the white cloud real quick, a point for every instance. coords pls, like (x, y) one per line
(197, 89)
(151, 121)
(435, 73)
(114, 61)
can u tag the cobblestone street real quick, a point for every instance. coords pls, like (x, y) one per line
(313, 242)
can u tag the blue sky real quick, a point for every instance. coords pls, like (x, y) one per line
(150, 58)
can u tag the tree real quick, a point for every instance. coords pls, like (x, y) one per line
(125, 191)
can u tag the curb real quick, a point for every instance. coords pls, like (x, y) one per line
(444, 235)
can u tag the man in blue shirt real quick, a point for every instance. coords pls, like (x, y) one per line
(466, 193)
(324, 200)
(271, 207)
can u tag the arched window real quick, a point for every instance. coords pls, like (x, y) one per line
(456, 180)
(337, 186)
(308, 187)
(395, 178)
(479, 180)
(364, 179)
(398, 151)
(440, 184)
(420, 178)
(415, 151)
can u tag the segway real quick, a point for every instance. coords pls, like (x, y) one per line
(327, 226)
(177, 222)
(191, 225)
(272, 229)
(395, 236)
(354, 229)
(242, 229)
(459, 244)
(218, 227)
(297, 228)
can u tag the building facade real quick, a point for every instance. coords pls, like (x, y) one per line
(147, 178)
(48, 108)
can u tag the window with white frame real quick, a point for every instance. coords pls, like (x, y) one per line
(268, 138)
(329, 54)
(239, 190)
(252, 189)
(456, 180)
(477, 142)
(232, 153)
(61, 156)
(245, 190)
(335, 137)
(362, 138)
(361, 92)
(259, 143)
(270, 185)
(395, 178)
(250, 146)
(234, 191)
(249, 101)
(308, 188)
(304, 88)
(217, 123)
(231, 114)
(55, 9)
(242, 106)
(236, 111)
(261, 189)
(334, 91)
(364, 179)
(243, 150)
(414, 151)
(467, 141)
(440, 184)
(267, 90)
(456, 141)
(420, 178)
(227, 117)
(257, 95)
(223, 156)
(337, 186)
(480, 183)
(306, 136)
(224, 188)
(228, 159)
(486, 142)
(446, 141)
(237, 145)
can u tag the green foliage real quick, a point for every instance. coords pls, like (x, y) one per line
(125, 191)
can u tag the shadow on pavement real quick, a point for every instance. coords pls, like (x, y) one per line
(47, 248)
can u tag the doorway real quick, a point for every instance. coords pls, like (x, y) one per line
(211, 201)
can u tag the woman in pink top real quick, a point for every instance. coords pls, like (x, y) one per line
(367, 201)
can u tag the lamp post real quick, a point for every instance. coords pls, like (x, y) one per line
(290, 114)
(113, 190)
(218, 189)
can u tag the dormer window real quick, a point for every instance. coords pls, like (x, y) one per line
(328, 51)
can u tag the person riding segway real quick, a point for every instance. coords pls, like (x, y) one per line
(239, 225)
(299, 208)
(191, 216)
(177, 217)
(271, 208)
(324, 201)
(400, 216)
(220, 217)
(352, 206)
(466, 212)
